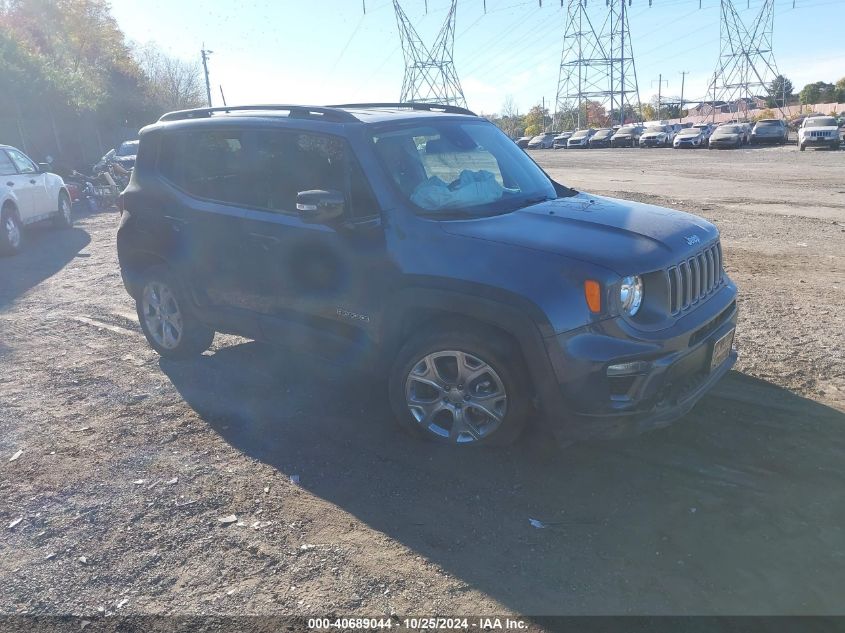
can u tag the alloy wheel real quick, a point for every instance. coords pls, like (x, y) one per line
(456, 396)
(162, 315)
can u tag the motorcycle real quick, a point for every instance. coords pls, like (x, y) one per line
(96, 193)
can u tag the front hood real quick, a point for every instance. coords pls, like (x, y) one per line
(724, 137)
(654, 134)
(622, 236)
(807, 130)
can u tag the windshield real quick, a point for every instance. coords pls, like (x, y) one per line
(689, 131)
(581, 133)
(470, 168)
(129, 148)
(728, 129)
(627, 130)
(821, 121)
(604, 133)
(768, 123)
(700, 127)
(656, 129)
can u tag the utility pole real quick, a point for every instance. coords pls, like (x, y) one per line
(684, 74)
(205, 53)
(659, 94)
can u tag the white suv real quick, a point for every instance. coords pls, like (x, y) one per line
(819, 131)
(28, 194)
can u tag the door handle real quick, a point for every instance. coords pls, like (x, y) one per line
(10, 184)
(32, 182)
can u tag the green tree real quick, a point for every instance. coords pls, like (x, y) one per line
(536, 120)
(649, 112)
(818, 92)
(780, 90)
(840, 90)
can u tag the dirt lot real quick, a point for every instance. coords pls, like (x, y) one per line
(129, 462)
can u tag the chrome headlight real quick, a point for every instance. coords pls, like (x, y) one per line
(631, 294)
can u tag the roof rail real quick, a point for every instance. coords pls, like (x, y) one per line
(294, 111)
(414, 105)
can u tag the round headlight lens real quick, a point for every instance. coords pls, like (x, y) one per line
(631, 294)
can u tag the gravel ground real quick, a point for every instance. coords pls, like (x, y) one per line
(256, 481)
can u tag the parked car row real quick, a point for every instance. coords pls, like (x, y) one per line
(814, 131)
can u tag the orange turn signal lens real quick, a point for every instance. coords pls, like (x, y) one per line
(592, 293)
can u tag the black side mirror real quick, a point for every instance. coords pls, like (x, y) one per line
(320, 207)
(43, 167)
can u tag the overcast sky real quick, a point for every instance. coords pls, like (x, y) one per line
(328, 51)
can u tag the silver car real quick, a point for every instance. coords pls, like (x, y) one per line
(542, 141)
(691, 137)
(657, 136)
(731, 135)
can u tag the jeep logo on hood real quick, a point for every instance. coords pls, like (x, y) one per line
(692, 239)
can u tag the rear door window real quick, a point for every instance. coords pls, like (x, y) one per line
(263, 169)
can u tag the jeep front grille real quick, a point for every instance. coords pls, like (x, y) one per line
(693, 279)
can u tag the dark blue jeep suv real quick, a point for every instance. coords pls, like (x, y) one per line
(419, 241)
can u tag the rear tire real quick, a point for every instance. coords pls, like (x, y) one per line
(64, 218)
(461, 385)
(166, 319)
(801, 147)
(11, 232)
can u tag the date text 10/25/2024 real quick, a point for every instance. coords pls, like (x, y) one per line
(422, 623)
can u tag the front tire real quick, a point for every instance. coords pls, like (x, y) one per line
(11, 232)
(460, 385)
(166, 319)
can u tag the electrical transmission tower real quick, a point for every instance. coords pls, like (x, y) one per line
(430, 75)
(597, 69)
(624, 89)
(746, 61)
